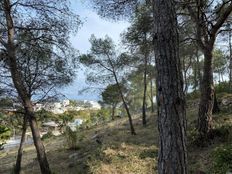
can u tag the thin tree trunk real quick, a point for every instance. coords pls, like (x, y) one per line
(230, 62)
(198, 69)
(20, 150)
(207, 97)
(219, 78)
(125, 105)
(206, 35)
(17, 79)
(113, 112)
(172, 158)
(185, 76)
(144, 90)
(152, 102)
(195, 72)
(42, 158)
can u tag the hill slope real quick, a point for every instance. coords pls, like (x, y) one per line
(110, 149)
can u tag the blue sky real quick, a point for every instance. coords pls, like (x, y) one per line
(92, 24)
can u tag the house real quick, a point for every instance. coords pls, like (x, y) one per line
(56, 107)
(61, 107)
(52, 127)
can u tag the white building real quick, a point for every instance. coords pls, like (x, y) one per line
(66, 103)
(61, 107)
(56, 108)
(95, 105)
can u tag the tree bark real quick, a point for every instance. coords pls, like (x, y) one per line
(195, 72)
(152, 102)
(172, 158)
(206, 35)
(198, 69)
(125, 105)
(230, 62)
(113, 111)
(42, 158)
(207, 97)
(22, 90)
(144, 90)
(20, 150)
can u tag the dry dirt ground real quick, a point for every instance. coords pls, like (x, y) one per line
(116, 152)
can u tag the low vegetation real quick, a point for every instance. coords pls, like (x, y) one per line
(109, 148)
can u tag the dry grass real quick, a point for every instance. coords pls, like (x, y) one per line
(119, 153)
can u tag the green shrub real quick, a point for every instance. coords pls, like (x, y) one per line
(100, 116)
(223, 87)
(72, 138)
(103, 115)
(222, 160)
(5, 132)
(223, 132)
(47, 135)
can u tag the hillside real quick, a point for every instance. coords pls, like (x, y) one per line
(110, 149)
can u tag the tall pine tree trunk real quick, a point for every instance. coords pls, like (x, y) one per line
(196, 81)
(152, 102)
(207, 96)
(230, 62)
(199, 76)
(172, 157)
(42, 158)
(125, 105)
(20, 150)
(145, 90)
(21, 89)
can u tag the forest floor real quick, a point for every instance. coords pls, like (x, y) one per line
(116, 151)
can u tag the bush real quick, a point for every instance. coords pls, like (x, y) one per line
(222, 160)
(100, 116)
(223, 87)
(5, 132)
(72, 138)
(103, 115)
(47, 135)
(222, 132)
